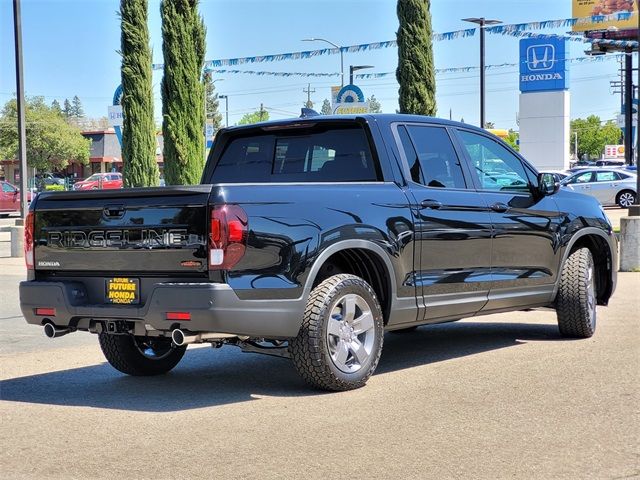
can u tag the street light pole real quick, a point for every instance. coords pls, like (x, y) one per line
(355, 68)
(333, 45)
(226, 108)
(482, 22)
(22, 132)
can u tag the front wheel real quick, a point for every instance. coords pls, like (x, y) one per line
(340, 341)
(626, 198)
(140, 356)
(576, 300)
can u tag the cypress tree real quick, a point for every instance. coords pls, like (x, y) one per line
(183, 48)
(138, 130)
(415, 72)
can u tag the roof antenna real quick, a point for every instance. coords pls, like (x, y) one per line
(308, 112)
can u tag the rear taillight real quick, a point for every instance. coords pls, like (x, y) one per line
(227, 236)
(28, 240)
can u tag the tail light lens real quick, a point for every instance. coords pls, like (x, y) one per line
(29, 232)
(227, 236)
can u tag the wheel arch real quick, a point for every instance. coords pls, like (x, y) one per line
(604, 253)
(362, 258)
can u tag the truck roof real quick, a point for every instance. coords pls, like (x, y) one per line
(384, 118)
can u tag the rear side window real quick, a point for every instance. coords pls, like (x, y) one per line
(321, 154)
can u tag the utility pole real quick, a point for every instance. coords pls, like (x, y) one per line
(22, 132)
(308, 91)
(261, 112)
(628, 106)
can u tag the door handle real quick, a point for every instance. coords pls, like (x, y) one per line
(499, 207)
(433, 204)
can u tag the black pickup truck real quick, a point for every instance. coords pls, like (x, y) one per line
(309, 238)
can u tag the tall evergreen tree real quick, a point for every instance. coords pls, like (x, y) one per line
(415, 73)
(183, 48)
(374, 105)
(76, 108)
(326, 107)
(55, 106)
(67, 109)
(213, 104)
(138, 133)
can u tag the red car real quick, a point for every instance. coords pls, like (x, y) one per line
(10, 198)
(105, 181)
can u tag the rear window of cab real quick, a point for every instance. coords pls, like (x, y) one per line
(322, 153)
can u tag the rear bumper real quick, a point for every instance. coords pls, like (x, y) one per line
(213, 307)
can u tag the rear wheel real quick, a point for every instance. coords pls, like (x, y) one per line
(576, 300)
(140, 356)
(340, 340)
(626, 198)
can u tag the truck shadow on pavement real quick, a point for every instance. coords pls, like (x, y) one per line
(208, 378)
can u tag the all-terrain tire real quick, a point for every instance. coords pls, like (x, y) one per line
(316, 351)
(576, 300)
(125, 353)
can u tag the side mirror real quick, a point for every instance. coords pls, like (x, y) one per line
(548, 183)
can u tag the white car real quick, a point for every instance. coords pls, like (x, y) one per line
(608, 186)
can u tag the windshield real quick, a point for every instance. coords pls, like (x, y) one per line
(93, 178)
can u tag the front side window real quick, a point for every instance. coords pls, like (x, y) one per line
(496, 168)
(580, 178)
(438, 162)
(8, 188)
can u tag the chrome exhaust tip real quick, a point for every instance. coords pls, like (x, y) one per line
(51, 331)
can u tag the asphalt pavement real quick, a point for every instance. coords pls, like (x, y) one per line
(501, 396)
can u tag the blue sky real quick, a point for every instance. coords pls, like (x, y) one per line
(70, 48)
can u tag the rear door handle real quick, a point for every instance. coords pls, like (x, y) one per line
(433, 204)
(499, 207)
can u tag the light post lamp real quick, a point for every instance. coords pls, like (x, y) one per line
(482, 22)
(355, 68)
(226, 108)
(336, 46)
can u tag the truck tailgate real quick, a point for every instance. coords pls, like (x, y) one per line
(139, 230)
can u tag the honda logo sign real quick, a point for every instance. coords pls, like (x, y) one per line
(543, 65)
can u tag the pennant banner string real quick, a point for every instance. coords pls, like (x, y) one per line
(518, 29)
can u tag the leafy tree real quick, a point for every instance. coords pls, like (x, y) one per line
(308, 104)
(213, 104)
(55, 106)
(138, 129)
(374, 105)
(512, 139)
(326, 107)
(51, 141)
(67, 110)
(415, 72)
(593, 136)
(76, 108)
(489, 125)
(255, 117)
(183, 49)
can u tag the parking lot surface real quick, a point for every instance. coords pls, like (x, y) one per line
(501, 396)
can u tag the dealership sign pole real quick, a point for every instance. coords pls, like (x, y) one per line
(22, 132)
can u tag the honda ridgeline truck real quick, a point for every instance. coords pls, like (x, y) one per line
(309, 238)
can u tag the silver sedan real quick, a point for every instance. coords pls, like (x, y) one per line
(608, 186)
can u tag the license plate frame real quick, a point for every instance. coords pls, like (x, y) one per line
(122, 291)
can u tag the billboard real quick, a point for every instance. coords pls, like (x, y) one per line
(543, 65)
(590, 8)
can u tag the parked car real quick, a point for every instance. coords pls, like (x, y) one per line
(310, 237)
(100, 181)
(608, 186)
(44, 180)
(10, 198)
(610, 163)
